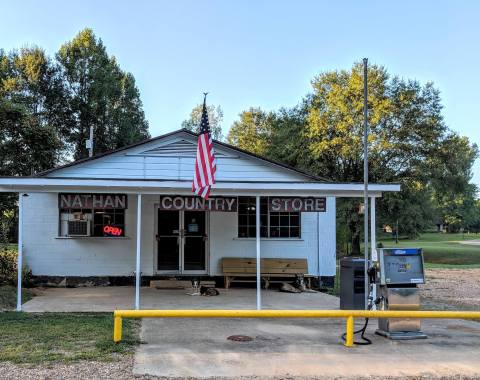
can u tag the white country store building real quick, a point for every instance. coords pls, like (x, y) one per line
(130, 213)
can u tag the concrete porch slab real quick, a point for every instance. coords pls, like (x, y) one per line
(107, 299)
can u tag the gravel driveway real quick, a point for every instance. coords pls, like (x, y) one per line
(449, 289)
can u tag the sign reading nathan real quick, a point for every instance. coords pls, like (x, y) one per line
(228, 204)
(93, 201)
(289, 204)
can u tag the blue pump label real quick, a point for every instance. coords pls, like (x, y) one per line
(404, 251)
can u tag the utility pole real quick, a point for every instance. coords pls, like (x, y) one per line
(89, 143)
(365, 173)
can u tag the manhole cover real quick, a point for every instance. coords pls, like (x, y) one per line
(240, 338)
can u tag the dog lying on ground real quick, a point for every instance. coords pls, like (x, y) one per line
(208, 292)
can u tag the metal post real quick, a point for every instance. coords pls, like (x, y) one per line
(90, 149)
(139, 245)
(373, 241)
(373, 232)
(350, 331)
(117, 329)
(259, 283)
(20, 252)
(365, 170)
(396, 232)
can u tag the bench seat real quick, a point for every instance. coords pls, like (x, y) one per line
(239, 269)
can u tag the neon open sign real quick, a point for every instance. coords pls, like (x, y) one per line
(112, 231)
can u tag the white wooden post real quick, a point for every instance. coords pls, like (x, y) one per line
(20, 252)
(139, 245)
(373, 242)
(259, 283)
(373, 239)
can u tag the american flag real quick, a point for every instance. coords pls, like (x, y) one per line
(205, 165)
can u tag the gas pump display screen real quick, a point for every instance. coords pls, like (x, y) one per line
(402, 266)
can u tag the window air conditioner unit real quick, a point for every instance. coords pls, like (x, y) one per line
(79, 228)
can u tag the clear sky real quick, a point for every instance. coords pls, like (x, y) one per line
(264, 53)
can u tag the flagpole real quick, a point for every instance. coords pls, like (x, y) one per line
(365, 173)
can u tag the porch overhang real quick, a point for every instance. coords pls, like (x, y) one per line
(155, 186)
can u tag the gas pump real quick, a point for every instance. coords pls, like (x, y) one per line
(400, 270)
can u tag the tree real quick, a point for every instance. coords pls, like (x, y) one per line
(31, 97)
(31, 80)
(324, 133)
(99, 94)
(26, 146)
(452, 171)
(129, 118)
(252, 131)
(215, 118)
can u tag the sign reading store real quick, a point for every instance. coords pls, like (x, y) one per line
(230, 204)
(296, 204)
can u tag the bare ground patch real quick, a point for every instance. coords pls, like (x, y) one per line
(449, 289)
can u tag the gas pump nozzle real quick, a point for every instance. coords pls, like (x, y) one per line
(372, 273)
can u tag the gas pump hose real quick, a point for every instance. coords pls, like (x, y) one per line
(365, 341)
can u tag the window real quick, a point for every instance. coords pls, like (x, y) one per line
(109, 222)
(99, 215)
(247, 217)
(272, 224)
(92, 222)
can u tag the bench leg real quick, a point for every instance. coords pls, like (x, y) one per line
(309, 283)
(228, 281)
(267, 282)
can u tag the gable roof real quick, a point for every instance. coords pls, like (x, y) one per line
(179, 132)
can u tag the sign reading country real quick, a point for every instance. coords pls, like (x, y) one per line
(296, 204)
(226, 204)
(92, 201)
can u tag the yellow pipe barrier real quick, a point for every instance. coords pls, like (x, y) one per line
(348, 314)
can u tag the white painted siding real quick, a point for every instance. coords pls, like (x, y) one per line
(171, 159)
(46, 254)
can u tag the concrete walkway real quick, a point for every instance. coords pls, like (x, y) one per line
(110, 298)
(470, 242)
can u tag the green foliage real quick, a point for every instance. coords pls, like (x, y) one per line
(7, 218)
(30, 98)
(99, 94)
(63, 337)
(451, 169)
(252, 132)
(26, 144)
(408, 144)
(8, 268)
(215, 119)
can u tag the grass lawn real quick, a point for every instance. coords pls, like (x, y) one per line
(37, 338)
(442, 250)
(8, 296)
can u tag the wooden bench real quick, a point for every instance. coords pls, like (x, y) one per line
(237, 269)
